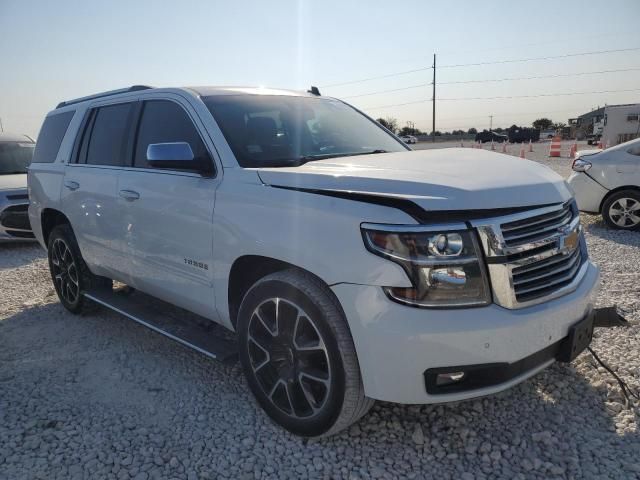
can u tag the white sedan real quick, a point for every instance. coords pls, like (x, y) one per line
(608, 182)
(409, 139)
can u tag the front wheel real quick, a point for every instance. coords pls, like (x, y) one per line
(622, 210)
(298, 355)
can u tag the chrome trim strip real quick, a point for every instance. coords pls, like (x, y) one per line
(531, 224)
(569, 262)
(571, 287)
(511, 238)
(513, 217)
(572, 270)
(415, 228)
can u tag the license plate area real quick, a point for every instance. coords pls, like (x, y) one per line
(578, 338)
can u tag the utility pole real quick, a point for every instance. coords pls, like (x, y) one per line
(1, 127)
(491, 123)
(433, 101)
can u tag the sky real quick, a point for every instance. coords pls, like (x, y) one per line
(56, 50)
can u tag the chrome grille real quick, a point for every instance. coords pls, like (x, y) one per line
(535, 228)
(539, 278)
(534, 256)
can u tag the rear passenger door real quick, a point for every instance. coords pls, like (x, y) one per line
(89, 191)
(167, 215)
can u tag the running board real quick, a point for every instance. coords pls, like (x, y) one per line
(187, 328)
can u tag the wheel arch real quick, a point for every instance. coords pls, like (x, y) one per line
(49, 219)
(635, 188)
(247, 270)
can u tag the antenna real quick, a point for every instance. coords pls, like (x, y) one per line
(314, 91)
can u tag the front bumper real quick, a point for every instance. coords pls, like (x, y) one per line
(397, 344)
(14, 217)
(588, 193)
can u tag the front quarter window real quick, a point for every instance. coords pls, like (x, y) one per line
(15, 157)
(280, 130)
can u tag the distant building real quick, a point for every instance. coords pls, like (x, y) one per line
(582, 126)
(613, 124)
(621, 124)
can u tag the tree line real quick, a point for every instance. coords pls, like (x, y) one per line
(391, 123)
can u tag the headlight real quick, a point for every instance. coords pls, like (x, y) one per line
(580, 165)
(443, 263)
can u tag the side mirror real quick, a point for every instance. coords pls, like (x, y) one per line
(172, 155)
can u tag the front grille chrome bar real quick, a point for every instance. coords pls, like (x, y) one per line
(533, 256)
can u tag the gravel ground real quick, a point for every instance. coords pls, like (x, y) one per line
(99, 396)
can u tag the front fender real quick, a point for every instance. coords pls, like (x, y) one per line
(317, 233)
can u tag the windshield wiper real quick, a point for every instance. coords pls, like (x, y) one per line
(364, 153)
(296, 162)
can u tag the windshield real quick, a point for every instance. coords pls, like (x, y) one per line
(273, 131)
(15, 157)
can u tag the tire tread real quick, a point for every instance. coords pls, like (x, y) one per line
(355, 403)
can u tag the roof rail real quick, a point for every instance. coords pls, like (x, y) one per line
(133, 88)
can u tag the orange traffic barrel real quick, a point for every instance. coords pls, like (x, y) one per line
(554, 148)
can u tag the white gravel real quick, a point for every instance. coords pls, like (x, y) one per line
(99, 396)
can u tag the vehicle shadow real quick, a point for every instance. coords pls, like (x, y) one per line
(595, 225)
(16, 254)
(556, 425)
(116, 382)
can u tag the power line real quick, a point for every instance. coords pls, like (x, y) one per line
(501, 97)
(536, 44)
(539, 95)
(530, 59)
(540, 76)
(397, 104)
(493, 80)
(389, 91)
(376, 78)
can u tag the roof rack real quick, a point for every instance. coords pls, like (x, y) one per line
(133, 88)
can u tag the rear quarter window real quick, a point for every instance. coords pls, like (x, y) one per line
(50, 137)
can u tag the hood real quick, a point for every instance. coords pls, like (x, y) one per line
(442, 179)
(586, 153)
(13, 182)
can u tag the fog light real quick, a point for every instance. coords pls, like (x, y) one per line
(449, 378)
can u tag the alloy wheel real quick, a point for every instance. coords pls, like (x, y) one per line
(289, 358)
(65, 271)
(625, 212)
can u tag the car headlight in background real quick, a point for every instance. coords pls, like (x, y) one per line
(580, 165)
(443, 262)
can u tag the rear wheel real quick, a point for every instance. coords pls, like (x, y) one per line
(70, 275)
(298, 355)
(622, 210)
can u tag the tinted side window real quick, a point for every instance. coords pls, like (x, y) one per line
(83, 140)
(164, 121)
(50, 137)
(108, 135)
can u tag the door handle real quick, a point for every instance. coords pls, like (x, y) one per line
(129, 195)
(71, 185)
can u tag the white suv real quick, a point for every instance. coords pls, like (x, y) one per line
(350, 268)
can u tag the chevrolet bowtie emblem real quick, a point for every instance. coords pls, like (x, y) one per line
(568, 242)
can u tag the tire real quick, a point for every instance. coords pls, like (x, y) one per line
(302, 368)
(69, 273)
(621, 210)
